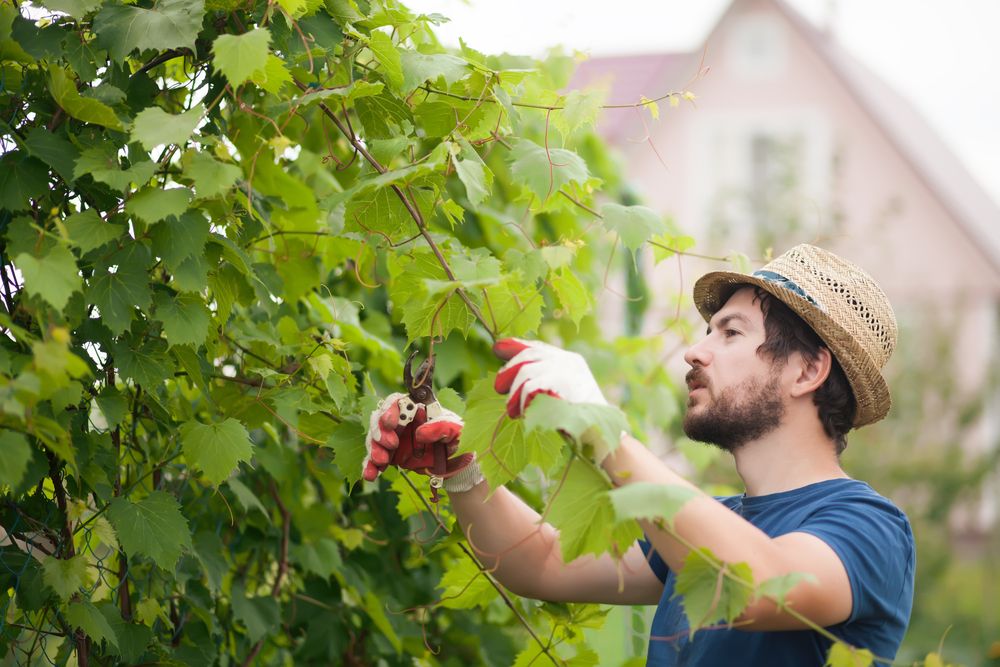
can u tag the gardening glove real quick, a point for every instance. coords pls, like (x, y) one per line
(534, 368)
(400, 433)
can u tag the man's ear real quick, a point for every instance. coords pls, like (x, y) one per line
(812, 373)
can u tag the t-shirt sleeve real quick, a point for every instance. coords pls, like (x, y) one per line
(874, 542)
(657, 564)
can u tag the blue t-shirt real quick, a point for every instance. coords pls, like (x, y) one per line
(873, 540)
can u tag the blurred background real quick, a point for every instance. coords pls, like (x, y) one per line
(868, 128)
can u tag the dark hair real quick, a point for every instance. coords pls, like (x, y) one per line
(784, 333)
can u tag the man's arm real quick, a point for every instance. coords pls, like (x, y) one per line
(705, 522)
(523, 552)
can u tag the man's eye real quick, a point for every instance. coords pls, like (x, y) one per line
(729, 333)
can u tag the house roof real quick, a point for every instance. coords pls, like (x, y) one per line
(628, 78)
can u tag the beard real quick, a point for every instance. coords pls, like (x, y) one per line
(739, 415)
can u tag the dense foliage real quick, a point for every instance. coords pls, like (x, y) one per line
(223, 224)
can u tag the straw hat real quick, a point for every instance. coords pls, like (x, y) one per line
(841, 303)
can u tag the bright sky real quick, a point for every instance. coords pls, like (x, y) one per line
(943, 55)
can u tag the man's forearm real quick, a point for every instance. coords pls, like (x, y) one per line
(507, 536)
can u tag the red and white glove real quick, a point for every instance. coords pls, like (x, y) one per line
(534, 367)
(401, 434)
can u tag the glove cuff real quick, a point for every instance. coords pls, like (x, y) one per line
(465, 479)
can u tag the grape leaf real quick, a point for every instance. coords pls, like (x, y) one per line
(75, 8)
(388, 57)
(842, 655)
(580, 110)
(89, 110)
(153, 126)
(573, 296)
(647, 500)
(474, 174)
(101, 162)
(502, 446)
(516, 307)
(582, 421)
(118, 294)
(87, 231)
(580, 509)
(54, 150)
(153, 204)
(707, 594)
(185, 318)
(16, 455)
(216, 449)
(145, 364)
(465, 586)
(211, 178)
(22, 178)
(85, 616)
(635, 224)
(121, 29)
(778, 587)
(381, 113)
(152, 527)
(420, 67)
(260, 615)
(54, 276)
(348, 444)
(66, 576)
(239, 57)
(544, 174)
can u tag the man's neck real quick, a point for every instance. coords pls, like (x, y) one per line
(785, 459)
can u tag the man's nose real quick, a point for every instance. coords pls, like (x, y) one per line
(698, 354)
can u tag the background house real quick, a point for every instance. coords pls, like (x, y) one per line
(792, 140)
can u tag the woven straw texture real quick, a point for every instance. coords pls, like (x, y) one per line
(851, 314)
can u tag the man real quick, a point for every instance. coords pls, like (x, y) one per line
(790, 363)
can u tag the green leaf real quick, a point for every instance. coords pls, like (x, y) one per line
(75, 8)
(666, 246)
(101, 162)
(388, 57)
(420, 67)
(248, 499)
(260, 615)
(581, 421)
(54, 150)
(216, 449)
(475, 176)
(22, 179)
(843, 655)
(66, 576)
(153, 126)
(502, 447)
(87, 617)
(465, 586)
(170, 24)
(87, 231)
(515, 306)
(646, 500)
(146, 364)
(211, 178)
(709, 593)
(581, 511)
(239, 57)
(113, 405)
(63, 90)
(185, 318)
(383, 115)
(635, 224)
(153, 204)
(118, 294)
(580, 110)
(348, 444)
(152, 527)
(574, 298)
(321, 557)
(53, 276)
(180, 238)
(445, 312)
(777, 588)
(16, 455)
(132, 637)
(544, 174)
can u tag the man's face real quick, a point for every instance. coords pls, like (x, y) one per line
(734, 394)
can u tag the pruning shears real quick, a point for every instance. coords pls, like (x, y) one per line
(421, 392)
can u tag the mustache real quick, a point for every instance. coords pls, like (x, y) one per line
(696, 376)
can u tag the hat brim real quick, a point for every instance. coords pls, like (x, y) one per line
(871, 393)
